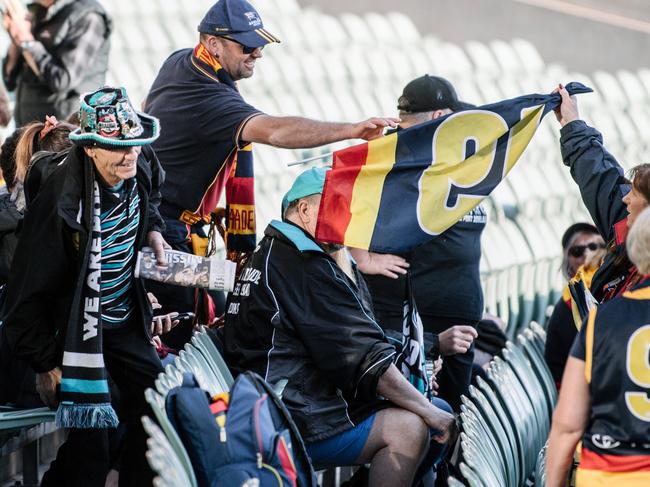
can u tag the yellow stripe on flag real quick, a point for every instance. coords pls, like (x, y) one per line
(366, 195)
(522, 133)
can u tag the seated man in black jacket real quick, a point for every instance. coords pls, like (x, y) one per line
(294, 314)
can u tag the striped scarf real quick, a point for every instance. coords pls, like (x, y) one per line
(411, 360)
(85, 399)
(240, 189)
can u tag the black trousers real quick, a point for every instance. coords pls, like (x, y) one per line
(83, 460)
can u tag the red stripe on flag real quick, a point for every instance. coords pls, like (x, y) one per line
(334, 213)
(614, 463)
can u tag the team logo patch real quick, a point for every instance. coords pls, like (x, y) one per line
(107, 125)
(604, 442)
(129, 120)
(253, 19)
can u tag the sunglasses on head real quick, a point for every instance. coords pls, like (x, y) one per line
(245, 49)
(579, 250)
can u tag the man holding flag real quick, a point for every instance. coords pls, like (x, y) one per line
(445, 278)
(398, 192)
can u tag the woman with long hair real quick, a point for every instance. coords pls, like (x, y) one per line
(50, 136)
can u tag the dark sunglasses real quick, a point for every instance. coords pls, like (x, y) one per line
(245, 49)
(579, 250)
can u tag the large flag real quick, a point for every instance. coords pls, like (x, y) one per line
(399, 191)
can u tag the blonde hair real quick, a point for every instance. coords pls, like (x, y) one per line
(33, 139)
(638, 242)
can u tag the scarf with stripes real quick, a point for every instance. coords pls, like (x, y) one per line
(85, 399)
(240, 189)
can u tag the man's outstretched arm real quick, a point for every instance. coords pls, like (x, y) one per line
(299, 132)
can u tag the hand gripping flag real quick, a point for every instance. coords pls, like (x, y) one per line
(399, 191)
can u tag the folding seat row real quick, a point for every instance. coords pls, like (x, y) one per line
(505, 421)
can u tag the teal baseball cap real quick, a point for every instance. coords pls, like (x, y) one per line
(307, 183)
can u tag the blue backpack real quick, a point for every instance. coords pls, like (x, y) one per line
(258, 444)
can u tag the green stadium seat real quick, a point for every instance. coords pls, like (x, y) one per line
(175, 445)
(164, 459)
(204, 343)
(540, 467)
(502, 432)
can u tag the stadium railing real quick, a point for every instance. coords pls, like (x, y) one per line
(22, 430)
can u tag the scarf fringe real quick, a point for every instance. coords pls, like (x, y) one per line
(86, 416)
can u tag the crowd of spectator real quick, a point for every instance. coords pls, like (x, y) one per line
(90, 180)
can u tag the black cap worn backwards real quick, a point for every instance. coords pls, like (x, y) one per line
(430, 93)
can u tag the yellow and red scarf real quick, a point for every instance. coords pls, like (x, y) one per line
(240, 189)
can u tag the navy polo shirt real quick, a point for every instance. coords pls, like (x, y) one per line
(201, 121)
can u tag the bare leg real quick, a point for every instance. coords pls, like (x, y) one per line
(395, 447)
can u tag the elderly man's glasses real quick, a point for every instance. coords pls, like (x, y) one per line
(579, 250)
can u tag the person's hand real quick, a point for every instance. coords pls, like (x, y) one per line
(164, 323)
(456, 339)
(158, 244)
(372, 128)
(46, 383)
(17, 22)
(433, 383)
(568, 109)
(388, 265)
(443, 422)
(154, 301)
(437, 366)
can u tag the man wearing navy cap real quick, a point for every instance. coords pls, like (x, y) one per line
(206, 125)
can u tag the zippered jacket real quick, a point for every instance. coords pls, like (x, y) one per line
(295, 315)
(602, 186)
(46, 272)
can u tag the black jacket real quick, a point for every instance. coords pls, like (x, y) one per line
(602, 186)
(9, 219)
(295, 315)
(44, 279)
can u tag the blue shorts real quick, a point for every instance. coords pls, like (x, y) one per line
(344, 448)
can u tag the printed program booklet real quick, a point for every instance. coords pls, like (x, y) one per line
(187, 270)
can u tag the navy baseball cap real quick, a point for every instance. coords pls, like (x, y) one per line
(237, 20)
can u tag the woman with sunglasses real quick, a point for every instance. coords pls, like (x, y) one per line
(613, 201)
(583, 249)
